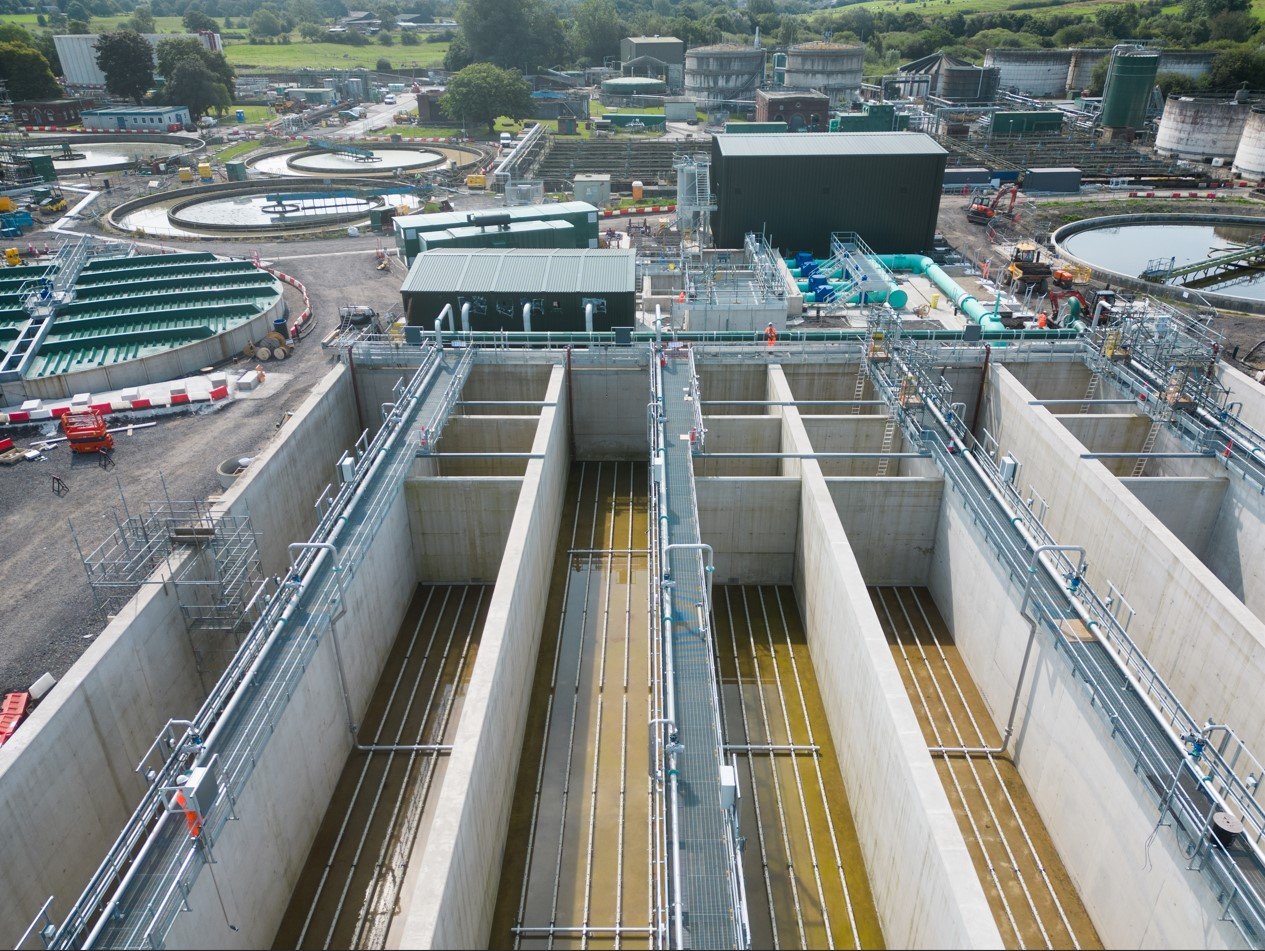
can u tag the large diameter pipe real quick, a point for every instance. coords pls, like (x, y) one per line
(527, 318)
(465, 317)
(588, 318)
(967, 303)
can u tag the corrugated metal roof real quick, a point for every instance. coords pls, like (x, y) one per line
(740, 145)
(458, 219)
(522, 270)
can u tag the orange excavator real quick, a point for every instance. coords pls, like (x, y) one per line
(983, 210)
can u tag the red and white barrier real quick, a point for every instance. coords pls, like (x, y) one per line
(175, 397)
(304, 317)
(646, 210)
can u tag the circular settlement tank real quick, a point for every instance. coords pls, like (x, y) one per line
(833, 68)
(725, 71)
(633, 86)
(1201, 129)
(1249, 158)
(1130, 79)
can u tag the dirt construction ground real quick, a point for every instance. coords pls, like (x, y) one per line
(48, 618)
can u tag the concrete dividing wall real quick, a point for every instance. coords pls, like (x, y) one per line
(752, 526)
(1245, 390)
(890, 524)
(1179, 601)
(1099, 813)
(279, 488)
(66, 780)
(460, 525)
(488, 434)
(1056, 380)
(925, 889)
(1233, 552)
(733, 381)
(610, 412)
(261, 854)
(454, 885)
(1188, 507)
(1108, 432)
(852, 434)
(91, 730)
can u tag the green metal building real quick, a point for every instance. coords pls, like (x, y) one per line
(800, 187)
(1024, 123)
(502, 225)
(498, 283)
(874, 117)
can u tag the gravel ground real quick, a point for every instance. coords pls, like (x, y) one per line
(50, 618)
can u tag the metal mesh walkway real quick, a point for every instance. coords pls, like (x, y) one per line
(707, 882)
(146, 880)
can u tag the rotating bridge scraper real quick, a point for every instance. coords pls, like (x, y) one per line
(706, 900)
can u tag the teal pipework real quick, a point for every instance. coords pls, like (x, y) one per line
(889, 293)
(924, 266)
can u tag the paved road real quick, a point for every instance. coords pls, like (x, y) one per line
(380, 116)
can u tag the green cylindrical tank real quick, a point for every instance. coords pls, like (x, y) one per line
(236, 171)
(1130, 79)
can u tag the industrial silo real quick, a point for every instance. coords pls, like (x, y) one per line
(965, 83)
(1249, 159)
(1130, 79)
(723, 72)
(1202, 129)
(832, 68)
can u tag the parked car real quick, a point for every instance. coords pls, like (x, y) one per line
(389, 99)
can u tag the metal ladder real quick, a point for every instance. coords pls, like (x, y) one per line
(859, 393)
(1091, 393)
(889, 435)
(1139, 467)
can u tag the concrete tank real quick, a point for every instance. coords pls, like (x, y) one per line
(832, 68)
(1249, 159)
(1130, 79)
(1202, 129)
(726, 71)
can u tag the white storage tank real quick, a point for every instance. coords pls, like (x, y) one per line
(1249, 159)
(832, 68)
(721, 72)
(1202, 129)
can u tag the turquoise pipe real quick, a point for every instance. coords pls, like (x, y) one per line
(922, 265)
(889, 292)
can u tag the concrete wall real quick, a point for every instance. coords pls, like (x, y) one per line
(454, 887)
(1177, 598)
(890, 524)
(261, 855)
(91, 730)
(489, 434)
(925, 889)
(460, 525)
(1098, 812)
(66, 780)
(1233, 552)
(279, 488)
(752, 525)
(1188, 507)
(610, 412)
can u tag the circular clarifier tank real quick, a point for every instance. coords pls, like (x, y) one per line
(1132, 246)
(255, 208)
(360, 160)
(109, 156)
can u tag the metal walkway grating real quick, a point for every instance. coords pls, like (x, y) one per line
(144, 883)
(707, 882)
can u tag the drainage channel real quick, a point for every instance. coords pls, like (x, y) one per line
(1029, 892)
(806, 881)
(577, 867)
(348, 892)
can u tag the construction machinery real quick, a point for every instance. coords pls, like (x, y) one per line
(1026, 269)
(983, 209)
(1071, 305)
(86, 432)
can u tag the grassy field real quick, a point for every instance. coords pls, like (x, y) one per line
(334, 55)
(237, 149)
(425, 131)
(98, 24)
